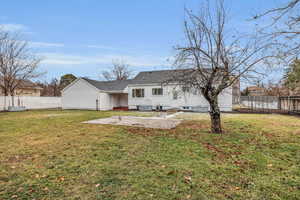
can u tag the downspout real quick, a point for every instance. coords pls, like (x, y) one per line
(98, 102)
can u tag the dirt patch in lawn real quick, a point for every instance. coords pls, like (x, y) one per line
(196, 125)
(50, 115)
(144, 122)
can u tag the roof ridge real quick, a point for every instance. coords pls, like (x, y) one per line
(165, 70)
(104, 81)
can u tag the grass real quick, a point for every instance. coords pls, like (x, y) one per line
(51, 155)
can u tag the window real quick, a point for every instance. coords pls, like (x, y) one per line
(157, 91)
(138, 92)
(159, 108)
(185, 89)
(175, 95)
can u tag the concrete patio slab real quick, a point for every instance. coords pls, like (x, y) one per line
(145, 122)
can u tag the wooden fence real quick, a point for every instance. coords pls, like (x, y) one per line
(289, 103)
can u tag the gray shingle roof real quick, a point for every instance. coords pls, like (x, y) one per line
(117, 85)
(147, 77)
(160, 76)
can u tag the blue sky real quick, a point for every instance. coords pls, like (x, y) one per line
(84, 36)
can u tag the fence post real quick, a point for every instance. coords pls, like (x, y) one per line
(266, 102)
(97, 104)
(289, 104)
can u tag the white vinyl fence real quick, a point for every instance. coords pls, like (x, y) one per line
(30, 102)
(260, 102)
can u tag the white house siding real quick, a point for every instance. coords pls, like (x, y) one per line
(80, 95)
(184, 99)
(120, 100)
(123, 100)
(109, 101)
(105, 101)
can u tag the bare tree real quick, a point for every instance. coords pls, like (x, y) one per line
(119, 71)
(211, 60)
(55, 87)
(51, 88)
(3, 84)
(284, 28)
(17, 63)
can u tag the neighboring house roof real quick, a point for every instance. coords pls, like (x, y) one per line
(117, 85)
(256, 91)
(28, 84)
(255, 88)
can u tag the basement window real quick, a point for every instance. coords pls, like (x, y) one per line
(157, 91)
(185, 89)
(140, 92)
(187, 108)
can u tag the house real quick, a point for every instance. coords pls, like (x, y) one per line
(256, 91)
(271, 90)
(144, 92)
(26, 88)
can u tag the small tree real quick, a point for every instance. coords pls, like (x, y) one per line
(245, 92)
(292, 75)
(119, 71)
(55, 87)
(65, 80)
(214, 60)
(50, 89)
(17, 63)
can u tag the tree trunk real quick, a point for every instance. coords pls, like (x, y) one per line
(215, 116)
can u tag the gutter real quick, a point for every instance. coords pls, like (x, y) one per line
(116, 92)
(151, 84)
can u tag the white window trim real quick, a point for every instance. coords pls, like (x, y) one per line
(134, 96)
(157, 95)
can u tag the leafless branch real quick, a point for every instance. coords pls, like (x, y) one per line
(119, 71)
(284, 27)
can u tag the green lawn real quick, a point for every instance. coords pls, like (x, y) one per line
(51, 155)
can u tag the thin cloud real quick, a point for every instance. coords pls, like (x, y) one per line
(45, 44)
(63, 59)
(13, 27)
(100, 47)
(135, 61)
